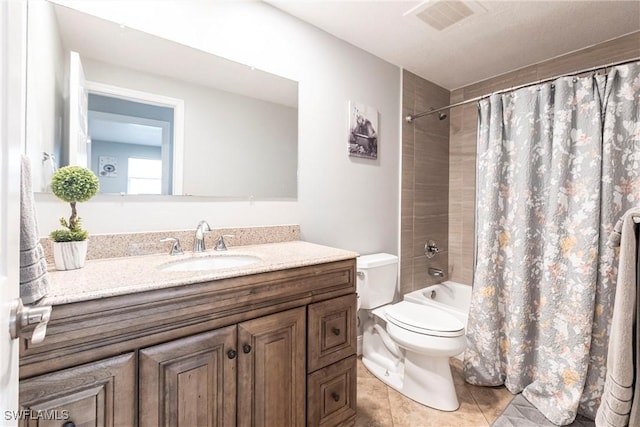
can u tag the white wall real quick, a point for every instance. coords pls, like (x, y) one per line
(343, 202)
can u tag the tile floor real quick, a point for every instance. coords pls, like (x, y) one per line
(382, 406)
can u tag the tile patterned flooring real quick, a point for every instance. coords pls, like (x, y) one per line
(382, 406)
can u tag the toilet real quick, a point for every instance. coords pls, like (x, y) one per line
(406, 345)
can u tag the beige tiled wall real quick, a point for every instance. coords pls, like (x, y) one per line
(425, 182)
(462, 139)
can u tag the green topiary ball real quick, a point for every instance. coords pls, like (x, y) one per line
(74, 184)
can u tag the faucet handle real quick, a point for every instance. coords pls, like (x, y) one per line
(220, 245)
(176, 249)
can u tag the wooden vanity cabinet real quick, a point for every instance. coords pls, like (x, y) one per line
(270, 349)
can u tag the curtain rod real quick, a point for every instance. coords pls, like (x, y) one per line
(410, 118)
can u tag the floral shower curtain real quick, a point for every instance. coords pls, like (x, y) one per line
(558, 164)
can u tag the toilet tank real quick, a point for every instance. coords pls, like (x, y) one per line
(377, 278)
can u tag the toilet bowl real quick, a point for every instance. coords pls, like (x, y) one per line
(408, 345)
(429, 337)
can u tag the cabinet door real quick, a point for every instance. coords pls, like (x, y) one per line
(271, 370)
(96, 394)
(190, 381)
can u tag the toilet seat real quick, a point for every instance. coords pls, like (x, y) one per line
(422, 319)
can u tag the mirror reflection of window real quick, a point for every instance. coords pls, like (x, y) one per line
(144, 176)
(121, 129)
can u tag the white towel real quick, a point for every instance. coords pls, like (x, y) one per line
(618, 395)
(34, 280)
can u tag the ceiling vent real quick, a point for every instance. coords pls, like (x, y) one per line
(441, 14)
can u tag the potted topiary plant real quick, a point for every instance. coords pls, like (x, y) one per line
(72, 184)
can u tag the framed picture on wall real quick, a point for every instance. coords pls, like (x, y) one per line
(363, 131)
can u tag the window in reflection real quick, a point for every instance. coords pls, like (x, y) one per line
(126, 134)
(144, 176)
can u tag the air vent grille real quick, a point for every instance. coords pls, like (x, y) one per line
(443, 14)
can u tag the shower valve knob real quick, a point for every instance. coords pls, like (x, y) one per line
(431, 249)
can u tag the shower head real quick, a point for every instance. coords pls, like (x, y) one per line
(442, 115)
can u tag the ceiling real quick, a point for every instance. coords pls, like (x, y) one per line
(123, 129)
(496, 37)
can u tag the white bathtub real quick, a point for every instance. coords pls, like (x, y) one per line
(451, 297)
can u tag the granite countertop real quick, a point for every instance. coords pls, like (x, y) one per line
(119, 276)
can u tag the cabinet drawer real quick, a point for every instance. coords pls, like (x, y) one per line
(332, 331)
(331, 394)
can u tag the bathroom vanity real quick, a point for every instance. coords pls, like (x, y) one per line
(272, 343)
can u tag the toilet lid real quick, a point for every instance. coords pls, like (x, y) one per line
(424, 319)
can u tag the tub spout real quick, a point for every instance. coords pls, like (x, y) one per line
(436, 272)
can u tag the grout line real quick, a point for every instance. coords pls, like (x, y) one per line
(468, 390)
(478, 407)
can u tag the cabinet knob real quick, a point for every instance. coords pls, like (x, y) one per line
(336, 331)
(69, 424)
(231, 354)
(246, 348)
(335, 396)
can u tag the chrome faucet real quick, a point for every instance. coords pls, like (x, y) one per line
(198, 241)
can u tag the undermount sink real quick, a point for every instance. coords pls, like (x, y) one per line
(210, 263)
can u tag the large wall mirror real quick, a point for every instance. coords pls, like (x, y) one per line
(151, 116)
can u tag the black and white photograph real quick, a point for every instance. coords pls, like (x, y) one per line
(363, 135)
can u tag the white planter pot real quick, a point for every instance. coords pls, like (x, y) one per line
(69, 255)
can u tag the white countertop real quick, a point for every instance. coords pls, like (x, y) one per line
(118, 276)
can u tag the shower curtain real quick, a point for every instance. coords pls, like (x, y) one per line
(558, 163)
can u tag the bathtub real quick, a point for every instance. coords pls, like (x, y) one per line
(451, 297)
